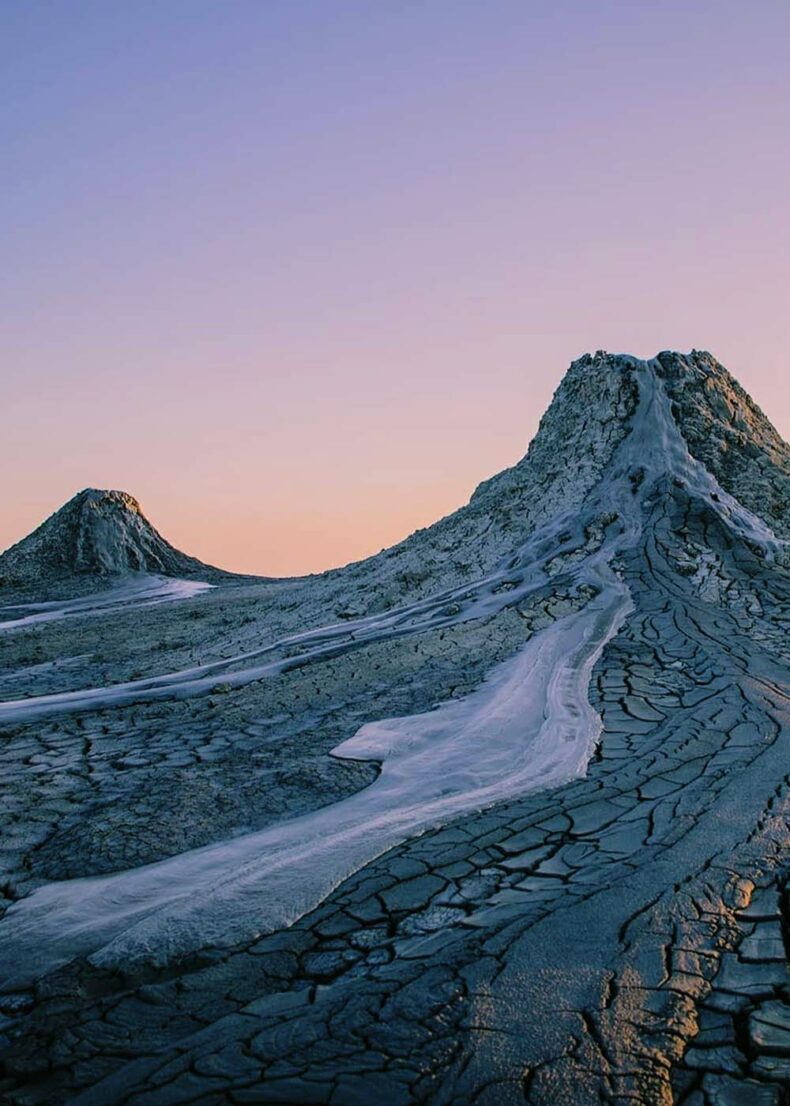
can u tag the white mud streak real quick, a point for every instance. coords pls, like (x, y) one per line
(142, 590)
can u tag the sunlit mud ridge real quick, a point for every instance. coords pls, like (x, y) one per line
(566, 885)
(532, 716)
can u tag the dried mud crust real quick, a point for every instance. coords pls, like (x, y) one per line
(619, 939)
(109, 790)
(575, 946)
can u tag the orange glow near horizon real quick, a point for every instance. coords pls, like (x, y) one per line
(299, 278)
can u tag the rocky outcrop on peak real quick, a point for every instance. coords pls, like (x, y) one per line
(730, 435)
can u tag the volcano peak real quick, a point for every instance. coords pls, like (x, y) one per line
(99, 533)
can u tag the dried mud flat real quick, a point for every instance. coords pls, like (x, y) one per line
(613, 930)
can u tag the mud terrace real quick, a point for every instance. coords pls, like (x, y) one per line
(499, 816)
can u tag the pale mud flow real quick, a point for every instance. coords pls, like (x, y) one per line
(496, 816)
(142, 590)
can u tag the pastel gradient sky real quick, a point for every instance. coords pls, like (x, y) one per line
(299, 274)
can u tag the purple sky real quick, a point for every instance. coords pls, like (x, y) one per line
(300, 275)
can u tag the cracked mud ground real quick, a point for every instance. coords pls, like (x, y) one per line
(621, 938)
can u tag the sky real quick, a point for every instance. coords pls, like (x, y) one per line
(299, 274)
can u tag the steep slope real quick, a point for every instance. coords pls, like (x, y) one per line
(730, 435)
(589, 416)
(566, 883)
(97, 533)
(587, 419)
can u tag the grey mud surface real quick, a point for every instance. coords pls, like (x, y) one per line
(621, 939)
